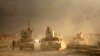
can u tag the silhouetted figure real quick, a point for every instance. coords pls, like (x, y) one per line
(13, 44)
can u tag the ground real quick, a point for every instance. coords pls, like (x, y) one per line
(39, 53)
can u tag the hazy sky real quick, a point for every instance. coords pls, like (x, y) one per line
(64, 16)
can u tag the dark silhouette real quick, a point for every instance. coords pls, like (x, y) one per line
(13, 44)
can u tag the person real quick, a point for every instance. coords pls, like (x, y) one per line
(13, 44)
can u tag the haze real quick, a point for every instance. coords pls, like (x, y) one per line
(66, 17)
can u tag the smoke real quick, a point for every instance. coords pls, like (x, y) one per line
(66, 17)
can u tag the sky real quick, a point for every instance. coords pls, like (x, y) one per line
(66, 17)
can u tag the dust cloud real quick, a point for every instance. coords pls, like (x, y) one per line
(66, 17)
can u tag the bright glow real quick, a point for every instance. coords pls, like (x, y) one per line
(63, 45)
(36, 40)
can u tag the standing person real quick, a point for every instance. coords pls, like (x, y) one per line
(13, 44)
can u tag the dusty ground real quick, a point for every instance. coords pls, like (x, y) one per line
(8, 52)
(38, 52)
